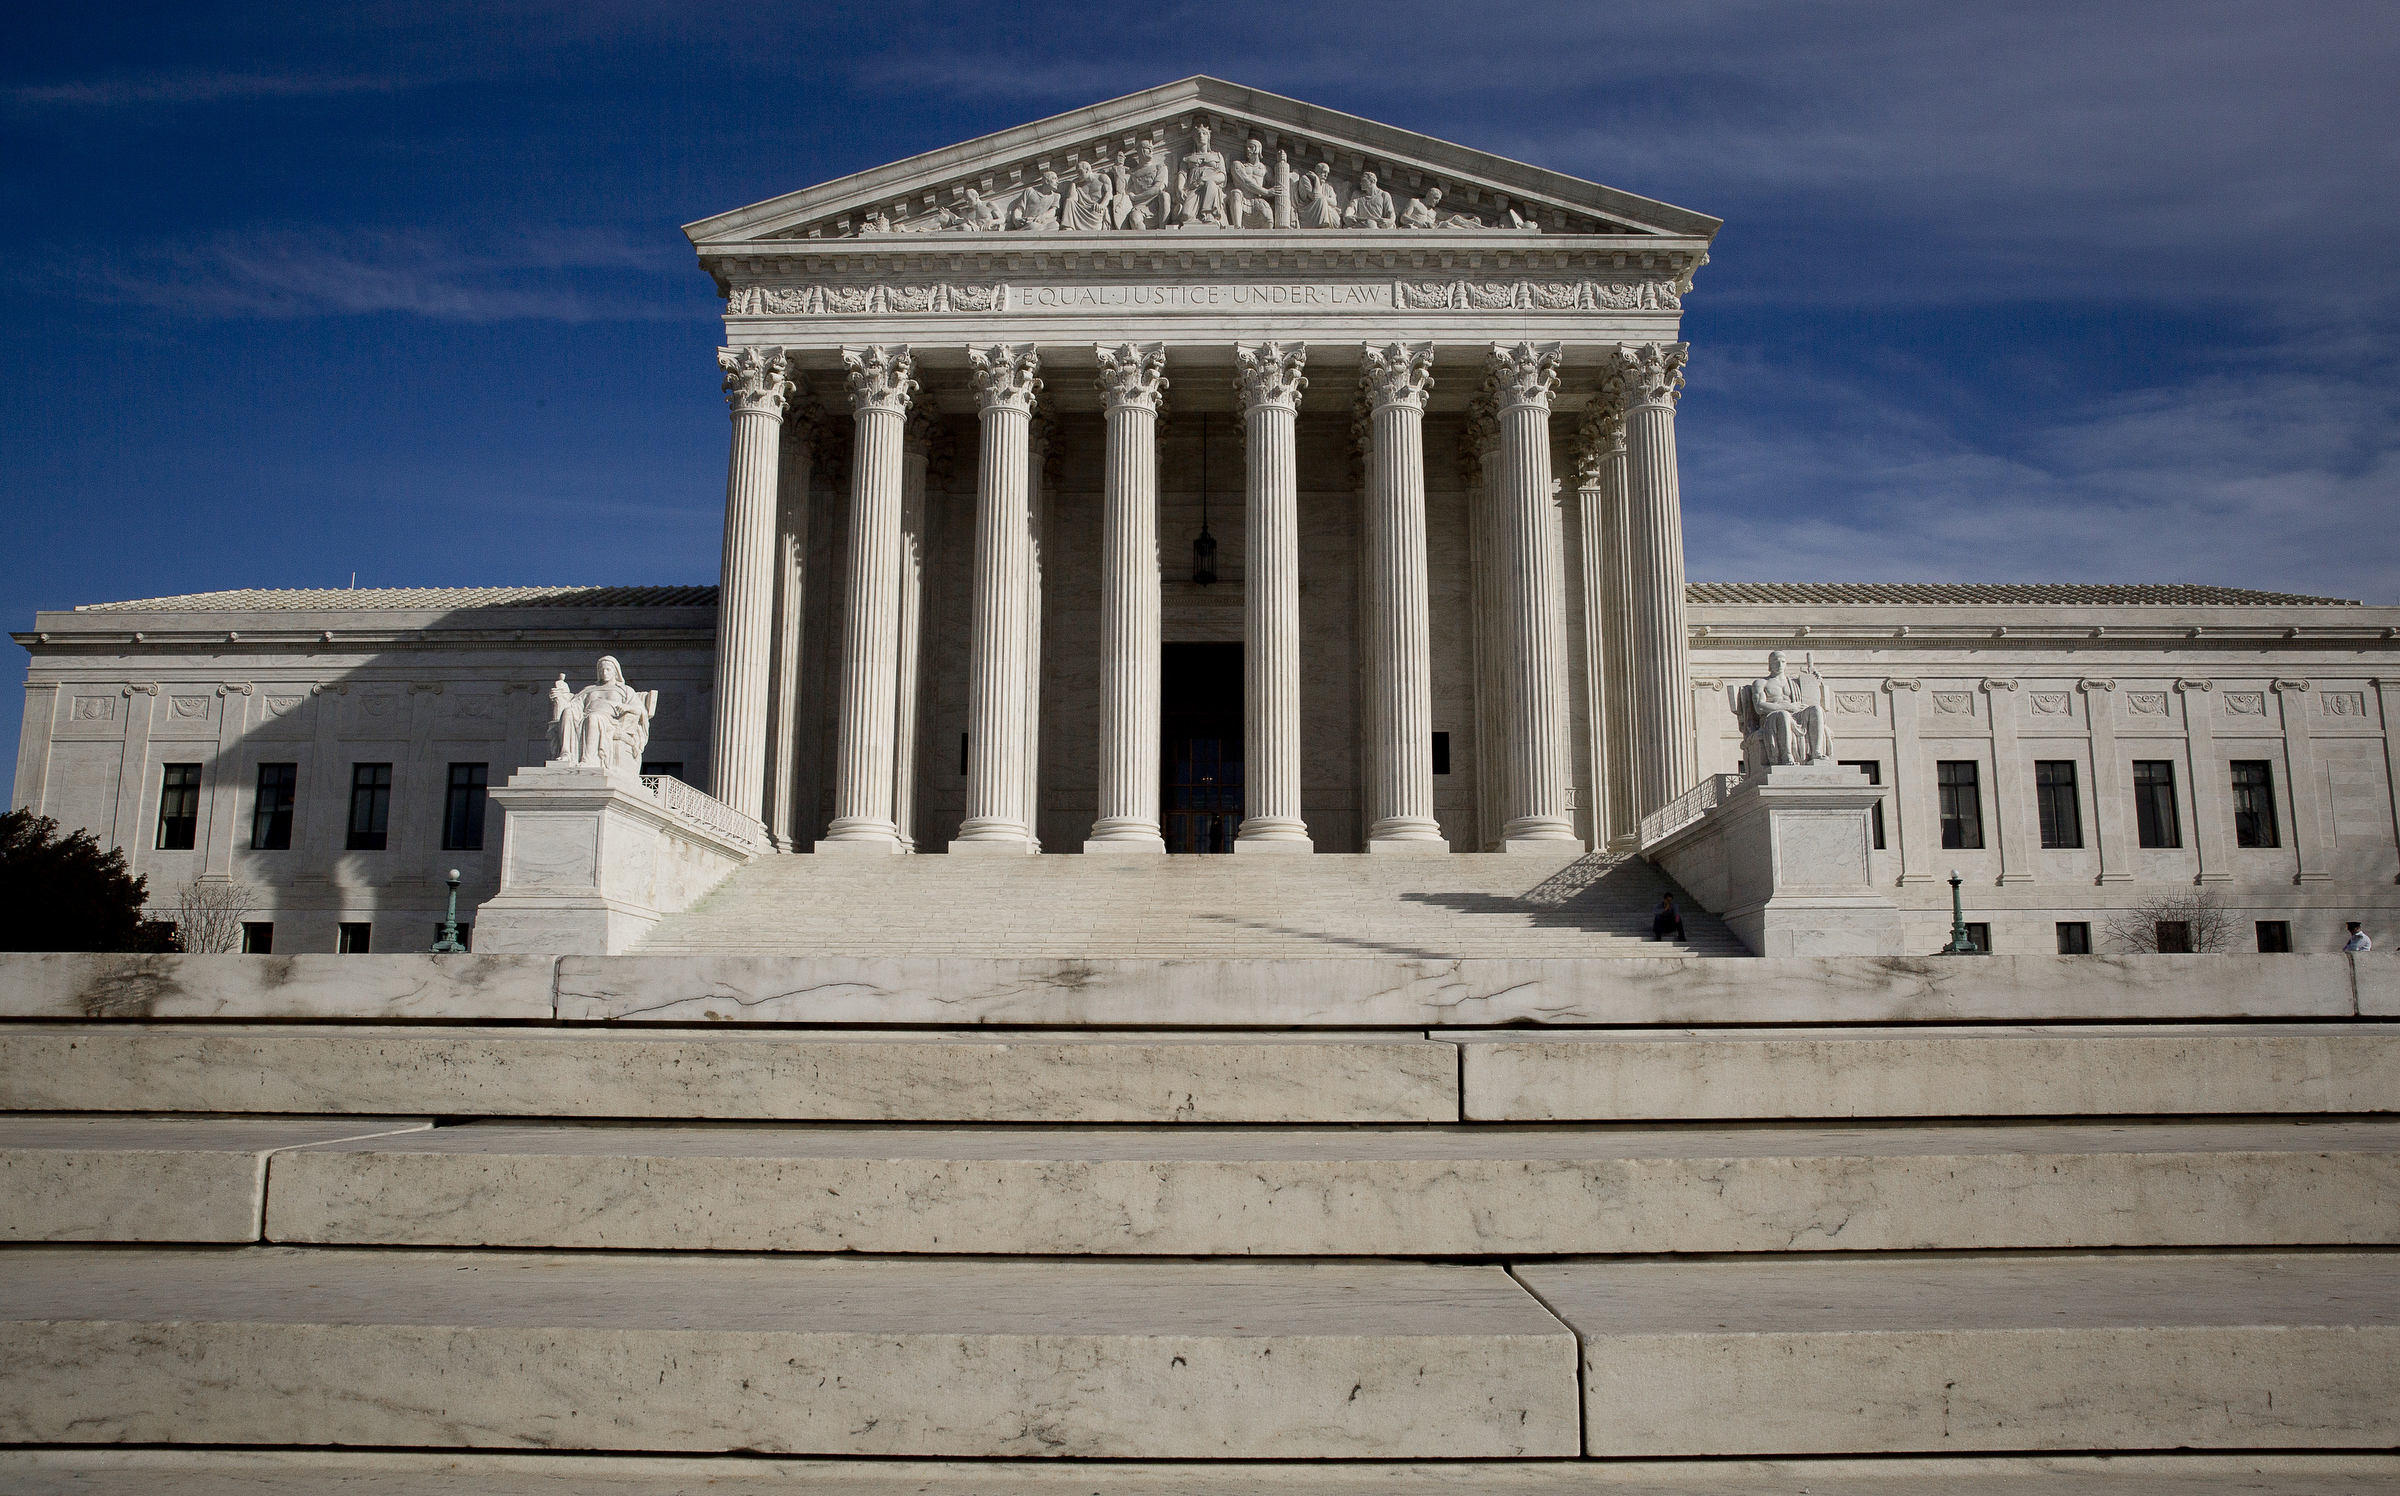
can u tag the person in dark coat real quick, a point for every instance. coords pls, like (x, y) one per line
(1666, 921)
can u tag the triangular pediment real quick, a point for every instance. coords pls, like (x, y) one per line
(1136, 164)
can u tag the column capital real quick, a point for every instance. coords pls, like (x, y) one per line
(1649, 373)
(1270, 374)
(882, 377)
(1132, 375)
(756, 380)
(1524, 374)
(1396, 374)
(1599, 440)
(1007, 376)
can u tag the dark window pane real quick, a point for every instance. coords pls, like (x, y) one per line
(2174, 938)
(370, 807)
(271, 816)
(2254, 822)
(668, 768)
(1441, 753)
(258, 939)
(1962, 804)
(462, 811)
(1873, 769)
(353, 939)
(2154, 815)
(2074, 938)
(178, 807)
(2275, 936)
(2055, 793)
(1979, 935)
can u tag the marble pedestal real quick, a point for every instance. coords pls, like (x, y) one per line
(1784, 862)
(589, 861)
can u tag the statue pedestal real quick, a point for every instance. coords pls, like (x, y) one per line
(591, 860)
(1783, 860)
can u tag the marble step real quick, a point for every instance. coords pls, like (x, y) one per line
(793, 1355)
(312, 1472)
(1366, 1191)
(165, 1179)
(1575, 1075)
(732, 1074)
(1850, 1353)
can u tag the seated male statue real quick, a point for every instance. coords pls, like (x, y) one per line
(1783, 718)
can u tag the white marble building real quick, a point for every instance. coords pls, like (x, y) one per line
(1208, 471)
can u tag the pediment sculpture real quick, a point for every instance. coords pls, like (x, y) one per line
(1143, 189)
(604, 726)
(1783, 717)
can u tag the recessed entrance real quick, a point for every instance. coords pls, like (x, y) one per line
(1200, 745)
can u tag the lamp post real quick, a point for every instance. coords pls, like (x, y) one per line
(1959, 944)
(448, 945)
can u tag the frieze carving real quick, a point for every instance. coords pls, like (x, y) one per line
(2146, 703)
(1270, 374)
(1396, 374)
(953, 297)
(2051, 704)
(2344, 703)
(2246, 703)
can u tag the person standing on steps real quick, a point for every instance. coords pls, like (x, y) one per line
(2359, 942)
(1666, 921)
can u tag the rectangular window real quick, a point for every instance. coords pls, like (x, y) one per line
(662, 768)
(271, 817)
(2155, 821)
(353, 939)
(258, 939)
(1979, 936)
(466, 934)
(962, 755)
(2275, 936)
(370, 807)
(2254, 807)
(1873, 769)
(2062, 813)
(2074, 938)
(178, 807)
(462, 812)
(2174, 937)
(1441, 753)
(1962, 804)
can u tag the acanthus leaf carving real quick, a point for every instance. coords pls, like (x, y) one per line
(1397, 374)
(1270, 373)
(1132, 375)
(882, 377)
(1006, 376)
(1649, 373)
(756, 381)
(1524, 373)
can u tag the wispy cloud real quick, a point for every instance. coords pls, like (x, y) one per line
(566, 275)
(199, 88)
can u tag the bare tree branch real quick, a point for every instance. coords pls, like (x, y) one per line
(208, 916)
(2172, 923)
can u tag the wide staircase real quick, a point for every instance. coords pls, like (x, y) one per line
(404, 1224)
(1267, 906)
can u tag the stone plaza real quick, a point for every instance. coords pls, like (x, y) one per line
(865, 1071)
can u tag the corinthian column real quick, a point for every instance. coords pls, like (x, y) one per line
(1131, 378)
(755, 391)
(1649, 379)
(1271, 384)
(1041, 442)
(882, 385)
(1399, 638)
(997, 820)
(916, 462)
(1533, 592)
(1608, 673)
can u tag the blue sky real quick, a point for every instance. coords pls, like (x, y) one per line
(2006, 292)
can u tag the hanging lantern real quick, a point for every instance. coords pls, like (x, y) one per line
(1204, 549)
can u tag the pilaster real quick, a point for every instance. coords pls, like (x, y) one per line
(2309, 838)
(2212, 789)
(2112, 804)
(2016, 819)
(1912, 783)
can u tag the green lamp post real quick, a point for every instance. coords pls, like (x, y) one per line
(1959, 944)
(448, 945)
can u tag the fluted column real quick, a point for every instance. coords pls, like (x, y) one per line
(1041, 442)
(1271, 382)
(1005, 385)
(1649, 379)
(882, 384)
(1533, 592)
(1399, 642)
(1608, 684)
(1131, 378)
(1479, 462)
(780, 811)
(916, 460)
(756, 390)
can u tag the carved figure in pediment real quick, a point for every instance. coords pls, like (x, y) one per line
(1316, 202)
(1037, 205)
(1510, 218)
(1372, 207)
(1253, 207)
(1141, 200)
(875, 223)
(1086, 208)
(1426, 213)
(1200, 185)
(975, 216)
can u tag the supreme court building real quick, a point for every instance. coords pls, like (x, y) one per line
(1205, 471)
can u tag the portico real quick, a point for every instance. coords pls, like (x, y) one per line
(979, 420)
